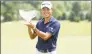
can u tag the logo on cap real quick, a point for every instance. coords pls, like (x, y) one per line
(46, 4)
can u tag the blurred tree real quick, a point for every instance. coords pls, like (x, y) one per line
(58, 8)
(85, 9)
(63, 16)
(88, 16)
(76, 8)
(82, 16)
(63, 10)
(8, 10)
(71, 17)
(85, 5)
(75, 12)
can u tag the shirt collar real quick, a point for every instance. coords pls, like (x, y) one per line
(51, 19)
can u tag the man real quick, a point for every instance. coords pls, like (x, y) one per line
(46, 29)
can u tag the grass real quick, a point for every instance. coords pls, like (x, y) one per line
(74, 38)
(82, 28)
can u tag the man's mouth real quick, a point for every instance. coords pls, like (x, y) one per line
(45, 14)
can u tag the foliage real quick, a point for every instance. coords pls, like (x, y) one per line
(62, 10)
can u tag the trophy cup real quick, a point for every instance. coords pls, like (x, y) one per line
(28, 15)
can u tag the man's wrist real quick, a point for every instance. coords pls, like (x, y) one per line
(34, 28)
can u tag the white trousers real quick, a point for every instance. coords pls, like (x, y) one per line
(38, 52)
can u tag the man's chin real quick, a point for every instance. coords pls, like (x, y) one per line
(46, 16)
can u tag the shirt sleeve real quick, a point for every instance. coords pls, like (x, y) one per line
(37, 24)
(54, 28)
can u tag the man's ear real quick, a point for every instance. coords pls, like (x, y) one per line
(51, 9)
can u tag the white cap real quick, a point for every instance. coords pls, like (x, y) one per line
(46, 4)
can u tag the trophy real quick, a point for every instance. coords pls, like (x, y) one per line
(28, 15)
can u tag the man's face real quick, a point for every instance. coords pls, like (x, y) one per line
(46, 12)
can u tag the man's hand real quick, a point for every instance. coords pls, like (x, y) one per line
(30, 30)
(30, 25)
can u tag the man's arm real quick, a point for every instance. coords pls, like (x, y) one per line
(32, 34)
(43, 35)
(37, 32)
(50, 31)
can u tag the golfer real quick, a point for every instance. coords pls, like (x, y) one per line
(46, 29)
